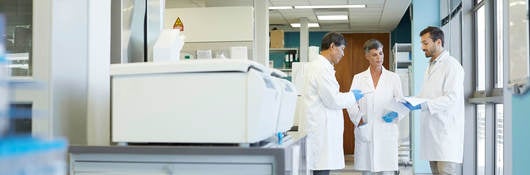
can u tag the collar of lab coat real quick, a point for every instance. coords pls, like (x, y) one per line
(326, 62)
(367, 72)
(441, 57)
(366, 75)
(434, 65)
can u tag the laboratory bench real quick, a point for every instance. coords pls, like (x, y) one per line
(289, 157)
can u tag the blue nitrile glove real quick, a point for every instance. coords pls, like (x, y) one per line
(389, 117)
(358, 94)
(412, 108)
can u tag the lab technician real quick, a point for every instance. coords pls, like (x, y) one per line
(442, 119)
(323, 104)
(376, 131)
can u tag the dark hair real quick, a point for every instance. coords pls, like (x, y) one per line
(372, 44)
(436, 33)
(332, 37)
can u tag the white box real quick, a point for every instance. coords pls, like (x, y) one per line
(167, 46)
(239, 52)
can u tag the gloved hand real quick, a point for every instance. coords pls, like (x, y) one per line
(389, 117)
(358, 94)
(412, 108)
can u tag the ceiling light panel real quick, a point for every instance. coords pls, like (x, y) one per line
(308, 25)
(281, 8)
(332, 17)
(329, 6)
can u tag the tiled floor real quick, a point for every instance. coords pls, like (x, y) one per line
(349, 168)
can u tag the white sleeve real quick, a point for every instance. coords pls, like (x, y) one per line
(354, 112)
(328, 91)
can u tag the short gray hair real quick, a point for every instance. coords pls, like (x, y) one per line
(372, 44)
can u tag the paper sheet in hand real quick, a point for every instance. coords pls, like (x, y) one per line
(396, 106)
(415, 101)
(367, 92)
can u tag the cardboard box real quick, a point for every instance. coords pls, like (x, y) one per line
(276, 39)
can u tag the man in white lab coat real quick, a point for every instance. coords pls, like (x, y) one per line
(323, 104)
(376, 131)
(442, 119)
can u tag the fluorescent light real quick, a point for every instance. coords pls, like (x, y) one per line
(280, 7)
(329, 6)
(308, 25)
(332, 17)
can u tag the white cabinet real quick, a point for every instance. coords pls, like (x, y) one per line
(401, 56)
(400, 63)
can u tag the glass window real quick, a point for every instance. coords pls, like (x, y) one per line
(499, 139)
(481, 139)
(500, 52)
(19, 15)
(481, 49)
(455, 3)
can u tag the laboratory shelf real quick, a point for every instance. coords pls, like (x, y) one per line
(282, 49)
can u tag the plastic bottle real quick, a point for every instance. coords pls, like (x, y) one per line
(290, 60)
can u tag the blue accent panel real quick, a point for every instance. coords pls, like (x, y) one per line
(425, 13)
(520, 134)
(292, 40)
(401, 33)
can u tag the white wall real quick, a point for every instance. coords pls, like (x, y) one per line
(71, 51)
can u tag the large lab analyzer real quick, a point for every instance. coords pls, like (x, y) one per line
(287, 101)
(199, 101)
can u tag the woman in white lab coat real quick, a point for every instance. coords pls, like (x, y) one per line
(376, 131)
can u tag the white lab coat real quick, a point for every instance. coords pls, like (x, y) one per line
(324, 123)
(376, 142)
(442, 123)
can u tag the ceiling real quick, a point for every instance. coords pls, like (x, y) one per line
(378, 16)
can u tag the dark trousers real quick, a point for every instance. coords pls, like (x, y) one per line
(321, 172)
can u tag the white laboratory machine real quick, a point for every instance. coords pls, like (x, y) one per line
(199, 101)
(287, 101)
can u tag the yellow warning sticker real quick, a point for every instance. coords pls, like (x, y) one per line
(178, 24)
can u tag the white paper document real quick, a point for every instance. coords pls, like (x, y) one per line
(367, 92)
(396, 106)
(415, 101)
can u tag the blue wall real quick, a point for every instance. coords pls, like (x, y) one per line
(292, 40)
(520, 134)
(401, 33)
(425, 13)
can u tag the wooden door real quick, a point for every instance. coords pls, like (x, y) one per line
(353, 63)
